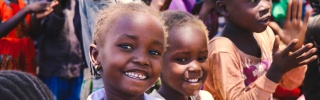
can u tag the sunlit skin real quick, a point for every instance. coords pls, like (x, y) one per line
(246, 17)
(184, 59)
(134, 44)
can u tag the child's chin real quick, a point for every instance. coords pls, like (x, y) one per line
(261, 29)
(135, 90)
(193, 93)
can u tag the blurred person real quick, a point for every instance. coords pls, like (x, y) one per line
(61, 59)
(16, 45)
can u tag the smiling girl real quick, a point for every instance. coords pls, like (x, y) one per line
(184, 63)
(128, 43)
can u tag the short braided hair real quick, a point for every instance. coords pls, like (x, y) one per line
(107, 17)
(17, 85)
(177, 19)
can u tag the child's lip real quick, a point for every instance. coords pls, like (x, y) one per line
(193, 80)
(137, 73)
(265, 18)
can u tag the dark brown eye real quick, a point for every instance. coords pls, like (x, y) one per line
(154, 52)
(253, 0)
(181, 59)
(126, 47)
(202, 58)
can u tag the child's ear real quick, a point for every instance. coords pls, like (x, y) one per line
(93, 54)
(222, 7)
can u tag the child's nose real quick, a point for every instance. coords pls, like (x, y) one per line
(194, 70)
(265, 5)
(194, 66)
(141, 60)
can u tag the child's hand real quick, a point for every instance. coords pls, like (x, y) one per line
(41, 8)
(285, 60)
(38, 7)
(294, 27)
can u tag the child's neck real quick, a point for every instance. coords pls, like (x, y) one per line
(243, 39)
(114, 95)
(171, 94)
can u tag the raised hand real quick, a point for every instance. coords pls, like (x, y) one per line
(294, 27)
(41, 8)
(287, 59)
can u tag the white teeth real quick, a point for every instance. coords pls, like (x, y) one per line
(135, 75)
(193, 80)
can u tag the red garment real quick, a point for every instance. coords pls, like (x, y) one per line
(284, 94)
(17, 50)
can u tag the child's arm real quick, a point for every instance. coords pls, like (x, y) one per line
(37, 7)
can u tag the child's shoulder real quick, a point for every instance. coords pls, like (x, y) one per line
(156, 95)
(150, 97)
(97, 95)
(205, 95)
(221, 44)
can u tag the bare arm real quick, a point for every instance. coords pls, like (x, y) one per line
(10, 24)
(41, 7)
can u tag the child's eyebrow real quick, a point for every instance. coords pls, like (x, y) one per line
(204, 51)
(133, 37)
(157, 43)
(130, 36)
(182, 52)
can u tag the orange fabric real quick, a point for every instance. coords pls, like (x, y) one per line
(234, 75)
(17, 50)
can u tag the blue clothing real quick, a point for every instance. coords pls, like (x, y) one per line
(64, 89)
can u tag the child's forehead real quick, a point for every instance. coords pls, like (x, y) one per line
(134, 17)
(134, 21)
(136, 25)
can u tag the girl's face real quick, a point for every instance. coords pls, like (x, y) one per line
(185, 67)
(131, 56)
(251, 15)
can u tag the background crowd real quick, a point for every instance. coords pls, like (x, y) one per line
(50, 39)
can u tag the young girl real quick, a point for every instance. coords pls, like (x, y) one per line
(16, 46)
(184, 65)
(128, 43)
(245, 61)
